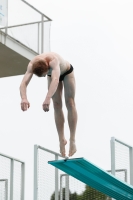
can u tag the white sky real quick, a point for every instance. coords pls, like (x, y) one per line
(95, 36)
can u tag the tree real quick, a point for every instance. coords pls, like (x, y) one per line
(91, 194)
(88, 194)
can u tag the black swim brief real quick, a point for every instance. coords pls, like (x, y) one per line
(63, 75)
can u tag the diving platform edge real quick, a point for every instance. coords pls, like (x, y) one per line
(14, 56)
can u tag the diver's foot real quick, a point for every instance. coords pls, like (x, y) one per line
(72, 148)
(62, 147)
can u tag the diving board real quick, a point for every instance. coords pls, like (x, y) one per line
(95, 177)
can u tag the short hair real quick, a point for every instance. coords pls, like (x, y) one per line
(39, 67)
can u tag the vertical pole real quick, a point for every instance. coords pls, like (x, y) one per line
(35, 172)
(11, 179)
(112, 144)
(6, 190)
(125, 175)
(49, 36)
(22, 181)
(38, 37)
(112, 155)
(6, 29)
(67, 187)
(56, 179)
(61, 196)
(131, 164)
(42, 36)
(7, 19)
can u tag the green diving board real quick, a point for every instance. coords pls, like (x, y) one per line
(95, 177)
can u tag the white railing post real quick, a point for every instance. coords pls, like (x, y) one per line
(113, 155)
(56, 180)
(131, 164)
(6, 192)
(11, 179)
(35, 172)
(23, 181)
(42, 35)
(38, 47)
(67, 187)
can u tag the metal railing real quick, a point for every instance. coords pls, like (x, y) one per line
(66, 176)
(47, 179)
(118, 159)
(66, 186)
(13, 170)
(34, 34)
(36, 171)
(120, 170)
(5, 196)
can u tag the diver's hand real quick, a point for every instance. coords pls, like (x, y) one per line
(25, 104)
(46, 104)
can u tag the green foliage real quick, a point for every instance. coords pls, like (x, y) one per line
(88, 194)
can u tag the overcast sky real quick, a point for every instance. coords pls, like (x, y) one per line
(95, 36)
